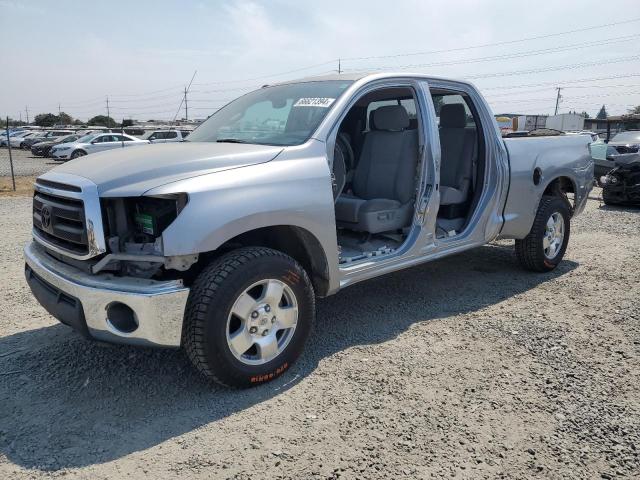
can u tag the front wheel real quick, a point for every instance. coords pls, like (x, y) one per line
(78, 153)
(543, 248)
(248, 316)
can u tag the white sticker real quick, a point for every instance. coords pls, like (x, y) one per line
(315, 102)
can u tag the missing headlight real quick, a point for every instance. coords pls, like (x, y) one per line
(152, 215)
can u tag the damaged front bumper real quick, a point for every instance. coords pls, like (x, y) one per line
(105, 307)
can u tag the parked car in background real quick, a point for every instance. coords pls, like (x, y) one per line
(94, 143)
(18, 140)
(3, 138)
(594, 136)
(621, 186)
(44, 136)
(605, 154)
(167, 136)
(626, 142)
(43, 149)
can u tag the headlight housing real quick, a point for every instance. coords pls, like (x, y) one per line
(141, 219)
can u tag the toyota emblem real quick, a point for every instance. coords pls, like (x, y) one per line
(45, 215)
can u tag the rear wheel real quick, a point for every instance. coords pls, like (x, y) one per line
(248, 316)
(543, 249)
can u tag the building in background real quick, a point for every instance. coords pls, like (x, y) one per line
(529, 122)
(566, 122)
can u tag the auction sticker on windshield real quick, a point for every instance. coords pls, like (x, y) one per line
(315, 102)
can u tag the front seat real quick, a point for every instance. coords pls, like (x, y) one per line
(458, 150)
(384, 180)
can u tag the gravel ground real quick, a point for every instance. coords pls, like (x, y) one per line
(466, 367)
(24, 163)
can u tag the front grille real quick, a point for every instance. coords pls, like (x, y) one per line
(61, 222)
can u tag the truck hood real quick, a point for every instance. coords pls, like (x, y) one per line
(131, 171)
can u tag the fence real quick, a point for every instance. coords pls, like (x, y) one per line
(8, 161)
(19, 166)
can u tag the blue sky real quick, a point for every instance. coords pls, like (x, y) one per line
(142, 53)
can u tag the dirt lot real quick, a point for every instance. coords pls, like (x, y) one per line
(24, 163)
(466, 367)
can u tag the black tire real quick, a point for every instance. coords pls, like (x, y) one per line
(211, 299)
(530, 250)
(609, 199)
(78, 153)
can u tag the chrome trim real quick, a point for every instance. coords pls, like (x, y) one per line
(158, 305)
(96, 242)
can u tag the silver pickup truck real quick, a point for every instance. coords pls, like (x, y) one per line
(222, 243)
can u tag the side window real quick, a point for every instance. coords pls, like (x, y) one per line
(99, 139)
(185, 134)
(172, 135)
(439, 100)
(409, 105)
(153, 136)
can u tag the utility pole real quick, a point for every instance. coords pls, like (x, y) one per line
(186, 107)
(26, 109)
(558, 97)
(339, 66)
(108, 114)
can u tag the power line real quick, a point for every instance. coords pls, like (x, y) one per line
(507, 56)
(558, 97)
(555, 68)
(578, 80)
(185, 96)
(495, 44)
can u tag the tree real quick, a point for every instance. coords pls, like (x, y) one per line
(127, 122)
(45, 120)
(585, 115)
(102, 120)
(634, 110)
(602, 114)
(65, 119)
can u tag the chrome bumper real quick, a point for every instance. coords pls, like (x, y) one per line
(158, 306)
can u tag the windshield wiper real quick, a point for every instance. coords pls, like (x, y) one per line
(230, 140)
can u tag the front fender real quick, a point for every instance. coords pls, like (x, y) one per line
(293, 190)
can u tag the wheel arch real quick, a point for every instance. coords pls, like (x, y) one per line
(295, 241)
(561, 186)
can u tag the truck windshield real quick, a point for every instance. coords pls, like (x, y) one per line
(279, 115)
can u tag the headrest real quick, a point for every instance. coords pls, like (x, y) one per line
(390, 117)
(453, 115)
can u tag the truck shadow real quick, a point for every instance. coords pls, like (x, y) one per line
(71, 403)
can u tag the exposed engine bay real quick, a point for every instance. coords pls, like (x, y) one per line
(621, 186)
(133, 229)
